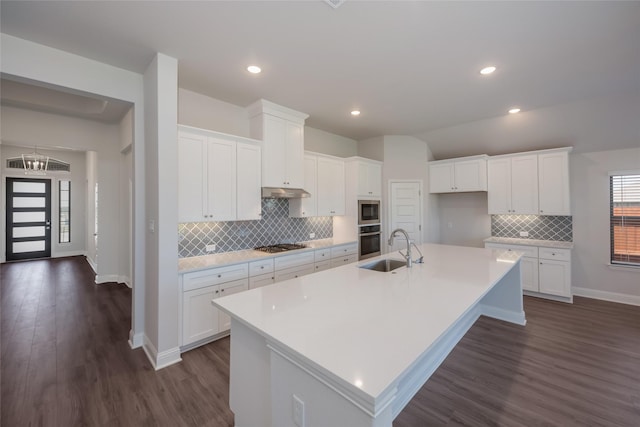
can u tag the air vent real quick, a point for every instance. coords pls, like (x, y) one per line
(334, 3)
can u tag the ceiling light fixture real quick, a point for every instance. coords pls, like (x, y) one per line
(254, 69)
(514, 110)
(355, 113)
(487, 70)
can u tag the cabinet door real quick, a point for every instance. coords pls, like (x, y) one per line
(306, 207)
(555, 277)
(348, 259)
(221, 182)
(524, 185)
(330, 187)
(375, 180)
(261, 280)
(249, 178)
(553, 183)
(294, 154)
(224, 321)
(292, 273)
(529, 274)
(322, 265)
(199, 317)
(273, 151)
(441, 178)
(191, 177)
(470, 175)
(499, 186)
(363, 180)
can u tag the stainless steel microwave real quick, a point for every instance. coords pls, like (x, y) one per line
(368, 212)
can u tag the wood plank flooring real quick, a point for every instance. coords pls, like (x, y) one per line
(65, 361)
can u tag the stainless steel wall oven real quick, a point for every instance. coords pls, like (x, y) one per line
(368, 241)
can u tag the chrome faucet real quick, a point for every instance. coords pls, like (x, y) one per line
(410, 243)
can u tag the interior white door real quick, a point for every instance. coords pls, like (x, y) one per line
(406, 212)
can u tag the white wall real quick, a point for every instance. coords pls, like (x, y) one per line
(591, 274)
(161, 340)
(125, 186)
(372, 148)
(90, 209)
(320, 141)
(78, 197)
(464, 220)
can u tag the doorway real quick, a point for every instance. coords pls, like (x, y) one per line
(405, 211)
(28, 215)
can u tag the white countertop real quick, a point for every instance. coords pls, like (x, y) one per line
(530, 242)
(366, 327)
(236, 257)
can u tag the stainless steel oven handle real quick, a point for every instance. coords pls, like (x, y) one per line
(369, 234)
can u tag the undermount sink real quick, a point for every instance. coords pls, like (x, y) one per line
(384, 265)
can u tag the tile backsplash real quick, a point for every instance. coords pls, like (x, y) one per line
(275, 227)
(559, 228)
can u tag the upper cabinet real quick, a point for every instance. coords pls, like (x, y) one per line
(369, 179)
(463, 174)
(553, 183)
(282, 132)
(324, 179)
(217, 178)
(535, 183)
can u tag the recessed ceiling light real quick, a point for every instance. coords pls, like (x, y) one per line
(253, 69)
(514, 110)
(488, 70)
(355, 113)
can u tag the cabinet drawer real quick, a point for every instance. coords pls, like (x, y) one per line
(263, 266)
(261, 280)
(322, 265)
(291, 273)
(529, 251)
(322, 254)
(289, 261)
(214, 276)
(344, 250)
(347, 259)
(557, 254)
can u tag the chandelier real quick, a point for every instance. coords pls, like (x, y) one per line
(35, 163)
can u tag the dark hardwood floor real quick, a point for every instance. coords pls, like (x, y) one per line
(65, 361)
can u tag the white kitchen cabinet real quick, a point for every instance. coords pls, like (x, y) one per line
(322, 265)
(369, 179)
(513, 185)
(463, 174)
(292, 273)
(261, 273)
(218, 176)
(249, 177)
(307, 206)
(282, 132)
(344, 254)
(330, 187)
(545, 271)
(262, 280)
(553, 183)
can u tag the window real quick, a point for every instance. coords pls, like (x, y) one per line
(64, 206)
(625, 218)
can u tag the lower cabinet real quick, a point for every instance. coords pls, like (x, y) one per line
(200, 320)
(344, 254)
(544, 271)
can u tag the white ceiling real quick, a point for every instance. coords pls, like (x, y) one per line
(410, 67)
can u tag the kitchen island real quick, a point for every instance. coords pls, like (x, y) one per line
(351, 346)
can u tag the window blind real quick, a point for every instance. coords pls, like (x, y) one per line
(625, 219)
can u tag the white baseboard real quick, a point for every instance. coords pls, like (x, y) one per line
(505, 315)
(606, 296)
(163, 359)
(126, 280)
(136, 340)
(106, 278)
(92, 264)
(67, 253)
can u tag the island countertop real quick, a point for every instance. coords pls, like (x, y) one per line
(367, 328)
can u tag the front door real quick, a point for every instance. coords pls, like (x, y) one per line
(28, 218)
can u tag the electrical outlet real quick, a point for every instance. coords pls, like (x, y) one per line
(298, 411)
(524, 234)
(312, 235)
(210, 248)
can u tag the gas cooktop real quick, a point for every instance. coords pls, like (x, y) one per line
(280, 247)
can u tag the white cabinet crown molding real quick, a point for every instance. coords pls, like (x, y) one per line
(535, 152)
(262, 106)
(214, 133)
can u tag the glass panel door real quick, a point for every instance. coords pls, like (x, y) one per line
(28, 218)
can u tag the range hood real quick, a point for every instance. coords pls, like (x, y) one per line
(284, 193)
